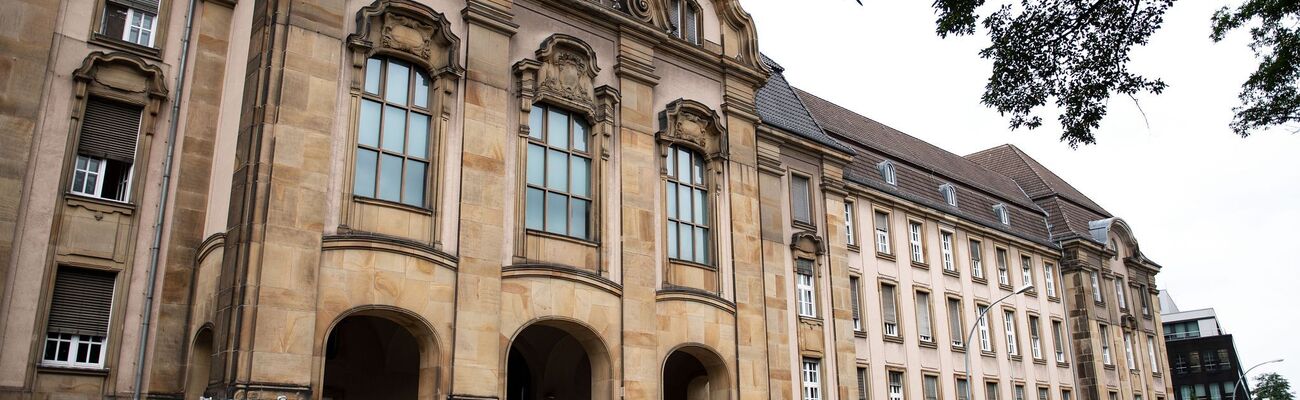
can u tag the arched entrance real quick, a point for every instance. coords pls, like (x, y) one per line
(557, 360)
(371, 356)
(695, 373)
(199, 371)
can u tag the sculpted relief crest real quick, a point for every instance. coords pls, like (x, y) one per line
(565, 75)
(406, 34)
(407, 30)
(691, 123)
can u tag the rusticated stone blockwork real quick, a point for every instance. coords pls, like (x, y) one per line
(515, 200)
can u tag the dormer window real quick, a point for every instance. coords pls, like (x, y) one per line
(949, 194)
(887, 172)
(684, 15)
(1004, 215)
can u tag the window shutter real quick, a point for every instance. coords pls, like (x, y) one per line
(674, 14)
(82, 302)
(887, 302)
(109, 130)
(923, 314)
(800, 203)
(803, 266)
(862, 384)
(954, 321)
(856, 292)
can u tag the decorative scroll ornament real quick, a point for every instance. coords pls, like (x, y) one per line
(692, 124)
(406, 30)
(563, 73)
(806, 244)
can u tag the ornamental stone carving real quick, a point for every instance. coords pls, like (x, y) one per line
(405, 30)
(564, 73)
(692, 124)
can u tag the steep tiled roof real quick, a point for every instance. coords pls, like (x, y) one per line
(1069, 211)
(778, 106)
(922, 167)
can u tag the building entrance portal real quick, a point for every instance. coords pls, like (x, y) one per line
(557, 361)
(693, 373)
(370, 357)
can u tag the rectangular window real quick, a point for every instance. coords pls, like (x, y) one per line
(1009, 325)
(930, 384)
(882, 232)
(955, 325)
(895, 385)
(976, 260)
(1004, 277)
(924, 328)
(849, 224)
(1066, 394)
(914, 230)
(855, 290)
(77, 327)
(807, 295)
(800, 201)
(1104, 336)
(1049, 278)
(106, 150)
(963, 389)
(812, 386)
(889, 309)
(133, 21)
(687, 199)
(1151, 352)
(986, 340)
(1128, 351)
(1035, 340)
(394, 149)
(945, 246)
(1058, 340)
(1096, 288)
(1119, 293)
(862, 383)
(1044, 394)
(1027, 271)
(991, 390)
(1114, 396)
(1020, 392)
(1145, 300)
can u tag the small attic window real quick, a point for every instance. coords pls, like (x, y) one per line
(949, 194)
(887, 172)
(1004, 216)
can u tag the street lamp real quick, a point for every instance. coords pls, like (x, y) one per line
(966, 344)
(1241, 380)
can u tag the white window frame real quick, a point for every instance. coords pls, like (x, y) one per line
(916, 234)
(888, 173)
(949, 194)
(890, 328)
(849, 224)
(76, 343)
(1009, 324)
(986, 339)
(896, 390)
(1003, 215)
(882, 232)
(1049, 278)
(130, 25)
(1058, 338)
(1151, 351)
(1096, 288)
(812, 379)
(82, 167)
(1035, 337)
(924, 312)
(1004, 275)
(956, 320)
(1119, 293)
(806, 288)
(976, 258)
(1027, 272)
(1128, 351)
(925, 387)
(945, 247)
(1104, 335)
(856, 284)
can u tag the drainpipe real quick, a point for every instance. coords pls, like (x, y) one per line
(156, 247)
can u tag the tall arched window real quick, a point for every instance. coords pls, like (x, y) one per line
(685, 18)
(687, 197)
(949, 194)
(558, 198)
(393, 141)
(887, 172)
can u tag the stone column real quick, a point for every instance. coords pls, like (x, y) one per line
(842, 343)
(775, 271)
(479, 345)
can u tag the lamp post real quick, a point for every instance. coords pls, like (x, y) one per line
(966, 344)
(1241, 380)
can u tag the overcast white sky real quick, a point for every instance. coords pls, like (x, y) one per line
(1218, 212)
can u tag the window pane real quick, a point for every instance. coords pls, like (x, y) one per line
(535, 118)
(670, 161)
(418, 139)
(698, 173)
(399, 76)
(557, 170)
(373, 68)
(390, 178)
(114, 19)
(684, 204)
(672, 239)
(578, 218)
(687, 247)
(536, 165)
(700, 217)
(368, 123)
(557, 129)
(683, 166)
(671, 199)
(413, 190)
(364, 182)
(701, 245)
(557, 213)
(581, 176)
(579, 135)
(533, 214)
(394, 129)
(799, 199)
(421, 90)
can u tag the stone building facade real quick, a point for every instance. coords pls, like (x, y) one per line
(496, 199)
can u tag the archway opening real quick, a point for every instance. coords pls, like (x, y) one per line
(557, 360)
(368, 357)
(695, 373)
(199, 371)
